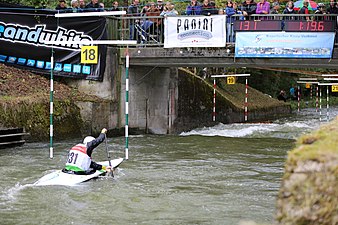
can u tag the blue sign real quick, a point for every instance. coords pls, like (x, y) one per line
(284, 44)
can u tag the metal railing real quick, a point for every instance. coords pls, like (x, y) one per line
(149, 31)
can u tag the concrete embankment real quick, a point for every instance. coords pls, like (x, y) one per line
(309, 190)
(195, 103)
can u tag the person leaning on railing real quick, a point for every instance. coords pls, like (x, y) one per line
(289, 10)
(320, 11)
(169, 10)
(248, 8)
(94, 6)
(304, 10)
(133, 10)
(194, 8)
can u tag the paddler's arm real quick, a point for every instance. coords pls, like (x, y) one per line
(94, 143)
(97, 166)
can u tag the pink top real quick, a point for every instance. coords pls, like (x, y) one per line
(261, 7)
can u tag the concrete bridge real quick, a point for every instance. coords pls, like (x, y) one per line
(211, 57)
(151, 52)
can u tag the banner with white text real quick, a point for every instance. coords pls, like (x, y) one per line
(195, 31)
(24, 38)
(284, 44)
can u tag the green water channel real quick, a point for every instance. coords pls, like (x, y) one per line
(190, 179)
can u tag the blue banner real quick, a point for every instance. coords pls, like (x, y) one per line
(284, 44)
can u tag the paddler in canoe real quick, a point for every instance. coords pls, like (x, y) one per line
(79, 157)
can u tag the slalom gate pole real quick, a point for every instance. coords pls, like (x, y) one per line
(51, 108)
(127, 105)
(320, 104)
(298, 97)
(246, 100)
(327, 103)
(317, 98)
(214, 101)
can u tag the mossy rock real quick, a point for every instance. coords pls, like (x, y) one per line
(33, 115)
(309, 191)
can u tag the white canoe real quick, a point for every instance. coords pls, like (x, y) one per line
(60, 178)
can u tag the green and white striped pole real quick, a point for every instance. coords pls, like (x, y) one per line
(127, 102)
(51, 107)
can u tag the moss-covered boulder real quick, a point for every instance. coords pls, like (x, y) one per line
(309, 191)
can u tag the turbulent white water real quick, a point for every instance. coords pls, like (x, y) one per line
(288, 128)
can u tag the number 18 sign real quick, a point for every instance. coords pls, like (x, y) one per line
(89, 54)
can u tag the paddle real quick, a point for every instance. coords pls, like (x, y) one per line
(108, 156)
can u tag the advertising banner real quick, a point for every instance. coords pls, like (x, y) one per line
(24, 37)
(194, 31)
(284, 44)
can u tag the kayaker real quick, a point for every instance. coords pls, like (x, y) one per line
(79, 157)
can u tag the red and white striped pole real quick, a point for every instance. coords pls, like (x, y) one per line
(320, 104)
(317, 98)
(214, 101)
(298, 97)
(327, 103)
(246, 100)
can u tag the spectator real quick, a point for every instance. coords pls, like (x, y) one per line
(320, 11)
(304, 10)
(206, 8)
(248, 8)
(101, 5)
(230, 11)
(115, 6)
(289, 10)
(275, 7)
(154, 11)
(238, 11)
(332, 9)
(75, 5)
(160, 5)
(169, 10)
(263, 7)
(282, 96)
(293, 93)
(62, 6)
(94, 5)
(145, 8)
(82, 4)
(194, 8)
(133, 10)
(213, 10)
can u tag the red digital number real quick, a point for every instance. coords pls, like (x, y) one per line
(321, 26)
(245, 25)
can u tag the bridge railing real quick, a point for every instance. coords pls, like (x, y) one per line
(149, 31)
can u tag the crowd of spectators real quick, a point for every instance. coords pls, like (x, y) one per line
(207, 7)
(234, 11)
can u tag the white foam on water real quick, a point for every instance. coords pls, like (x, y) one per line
(288, 128)
(12, 193)
(232, 130)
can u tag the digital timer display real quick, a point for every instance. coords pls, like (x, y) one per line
(314, 26)
(257, 25)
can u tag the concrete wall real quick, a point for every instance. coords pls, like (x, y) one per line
(97, 115)
(152, 98)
